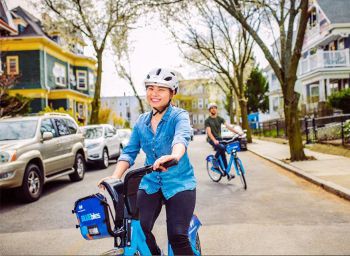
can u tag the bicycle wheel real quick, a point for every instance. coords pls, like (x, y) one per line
(214, 174)
(198, 245)
(241, 173)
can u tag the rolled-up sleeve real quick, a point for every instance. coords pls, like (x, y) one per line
(182, 129)
(132, 149)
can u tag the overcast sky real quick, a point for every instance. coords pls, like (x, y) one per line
(153, 47)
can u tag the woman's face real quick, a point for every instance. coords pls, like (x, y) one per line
(158, 96)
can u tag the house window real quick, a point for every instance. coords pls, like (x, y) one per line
(12, 65)
(314, 93)
(200, 103)
(59, 72)
(91, 81)
(194, 118)
(194, 104)
(200, 119)
(82, 79)
(72, 80)
(275, 103)
(313, 19)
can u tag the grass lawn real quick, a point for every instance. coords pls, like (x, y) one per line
(321, 148)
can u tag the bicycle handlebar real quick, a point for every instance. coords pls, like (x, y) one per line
(235, 137)
(111, 184)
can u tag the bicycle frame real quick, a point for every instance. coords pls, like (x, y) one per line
(233, 157)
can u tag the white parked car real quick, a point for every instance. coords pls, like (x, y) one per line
(124, 136)
(227, 134)
(102, 143)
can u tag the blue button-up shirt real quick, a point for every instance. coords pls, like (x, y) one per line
(173, 128)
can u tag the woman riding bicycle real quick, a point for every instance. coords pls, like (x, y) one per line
(163, 134)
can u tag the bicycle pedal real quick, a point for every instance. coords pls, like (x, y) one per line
(230, 177)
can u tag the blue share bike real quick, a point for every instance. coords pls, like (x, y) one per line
(215, 167)
(97, 220)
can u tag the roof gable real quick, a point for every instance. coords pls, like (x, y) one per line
(337, 11)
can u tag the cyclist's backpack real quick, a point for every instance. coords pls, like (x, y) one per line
(93, 217)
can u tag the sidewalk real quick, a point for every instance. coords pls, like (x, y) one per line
(329, 171)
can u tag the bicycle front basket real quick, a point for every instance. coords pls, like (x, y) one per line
(93, 217)
(233, 146)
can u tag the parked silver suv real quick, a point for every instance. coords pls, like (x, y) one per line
(37, 149)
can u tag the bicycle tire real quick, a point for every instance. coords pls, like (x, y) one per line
(198, 245)
(241, 173)
(214, 176)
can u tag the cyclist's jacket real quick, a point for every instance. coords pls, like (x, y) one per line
(173, 128)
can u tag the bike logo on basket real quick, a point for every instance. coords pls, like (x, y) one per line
(91, 216)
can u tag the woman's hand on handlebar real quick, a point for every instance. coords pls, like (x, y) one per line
(163, 159)
(104, 179)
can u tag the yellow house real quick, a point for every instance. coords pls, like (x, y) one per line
(48, 73)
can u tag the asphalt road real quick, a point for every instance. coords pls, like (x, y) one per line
(278, 214)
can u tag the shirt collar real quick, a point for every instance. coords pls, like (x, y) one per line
(165, 117)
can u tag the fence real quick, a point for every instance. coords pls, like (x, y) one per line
(331, 129)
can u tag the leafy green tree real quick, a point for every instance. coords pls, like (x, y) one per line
(341, 100)
(257, 87)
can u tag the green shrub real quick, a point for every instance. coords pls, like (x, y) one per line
(341, 100)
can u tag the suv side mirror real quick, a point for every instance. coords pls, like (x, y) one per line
(47, 136)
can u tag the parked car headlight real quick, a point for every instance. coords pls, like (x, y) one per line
(7, 156)
(94, 145)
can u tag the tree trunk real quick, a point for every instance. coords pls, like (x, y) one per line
(230, 105)
(96, 103)
(142, 110)
(244, 113)
(293, 128)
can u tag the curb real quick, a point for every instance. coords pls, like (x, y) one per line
(326, 185)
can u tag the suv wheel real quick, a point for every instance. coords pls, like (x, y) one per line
(32, 185)
(79, 168)
(105, 159)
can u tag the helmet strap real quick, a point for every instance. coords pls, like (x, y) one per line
(157, 111)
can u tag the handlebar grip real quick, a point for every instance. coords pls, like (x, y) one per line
(109, 185)
(170, 163)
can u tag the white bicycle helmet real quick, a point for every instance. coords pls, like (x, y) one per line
(162, 77)
(212, 104)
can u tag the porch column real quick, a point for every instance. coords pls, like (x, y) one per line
(304, 93)
(322, 90)
(328, 87)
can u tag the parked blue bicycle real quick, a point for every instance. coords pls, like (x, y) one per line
(97, 220)
(215, 167)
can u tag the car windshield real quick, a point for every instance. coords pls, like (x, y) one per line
(124, 134)
(18, 130)
(93, 132)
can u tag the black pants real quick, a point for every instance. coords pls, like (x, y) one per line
(220, 151)
(179, 211)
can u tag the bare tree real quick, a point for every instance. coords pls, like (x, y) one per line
(221, 47)
(289, 18)
(95, 20)
(121, 49)
(11, 105)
